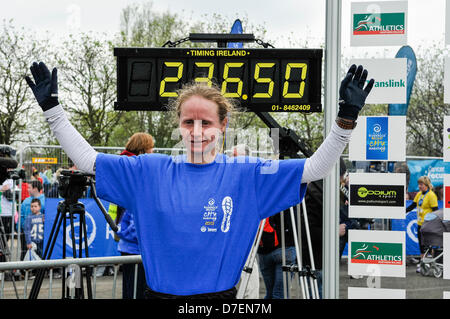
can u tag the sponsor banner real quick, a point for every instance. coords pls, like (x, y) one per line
(101, 241)
(447, 196)
(434, 169)
(409, 226)
(411, 70)
(375, 293)
(378, 23)
(379, 138)
(446, 139)
(377, 195)
(44, 160)
(376, 253)
(377, 134)
(390, 79)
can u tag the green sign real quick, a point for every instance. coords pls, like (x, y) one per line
(383, 23)
(376, 253)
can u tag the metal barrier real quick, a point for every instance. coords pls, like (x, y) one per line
(106, 285)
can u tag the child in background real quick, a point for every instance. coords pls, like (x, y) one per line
(34, 227)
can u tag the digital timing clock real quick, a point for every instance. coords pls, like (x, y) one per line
(263, 80)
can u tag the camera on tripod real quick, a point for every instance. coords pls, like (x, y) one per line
(73, 184)
(7, 162)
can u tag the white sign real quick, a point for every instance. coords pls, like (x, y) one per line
(446, 138)
(379, 23)
(378, 138)
(446, 243)
(377, 253)
(390, 79)
(447, 22)
(377, 195)
(375, 293)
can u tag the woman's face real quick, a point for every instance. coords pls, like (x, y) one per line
(200, 127)
(423, 187)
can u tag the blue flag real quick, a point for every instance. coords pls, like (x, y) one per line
(236, 29)
(411, 70)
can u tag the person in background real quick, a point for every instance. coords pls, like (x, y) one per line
(34, 227)
(36, 176)
(6, 213)
(35, 191)
(138, 143)
(426, 202)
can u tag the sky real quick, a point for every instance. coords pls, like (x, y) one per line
(303, 18)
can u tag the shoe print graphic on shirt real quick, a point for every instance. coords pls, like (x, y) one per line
(227, 207)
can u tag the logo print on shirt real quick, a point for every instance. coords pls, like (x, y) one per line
(209, 217)
(227, 207)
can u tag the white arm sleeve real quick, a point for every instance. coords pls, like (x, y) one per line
(77, 148)
(319, 165)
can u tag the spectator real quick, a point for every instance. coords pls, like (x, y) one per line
(138, 143)
(34, 227)
(426, 202)
(36, 176)
(35, 190)
(6, 213)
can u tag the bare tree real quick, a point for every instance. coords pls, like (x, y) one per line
(87, 83)
(426, 108)
(18, 49)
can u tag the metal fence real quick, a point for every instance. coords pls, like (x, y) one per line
(104, 288)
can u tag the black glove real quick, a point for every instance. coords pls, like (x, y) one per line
(45, 85)
(352, 96)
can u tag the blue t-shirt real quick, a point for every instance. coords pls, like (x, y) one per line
(196, 223)
(34, 228)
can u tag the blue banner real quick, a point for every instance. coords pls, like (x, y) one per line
(236, 29)
(434, 169)
(409, 226)
(101, 241)
(377, 138)
(411, 70)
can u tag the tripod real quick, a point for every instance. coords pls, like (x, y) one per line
(72, 186)
(313, 292)
(6, 253)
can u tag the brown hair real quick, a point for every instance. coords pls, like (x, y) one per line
(139, 143)
(36, 200)
(425, 180)
(211, 93)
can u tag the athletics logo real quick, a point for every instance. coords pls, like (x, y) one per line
(377, 253)
(383, 23)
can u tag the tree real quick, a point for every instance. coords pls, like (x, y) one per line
(87, 81)
(426, 108)
(18, 108)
